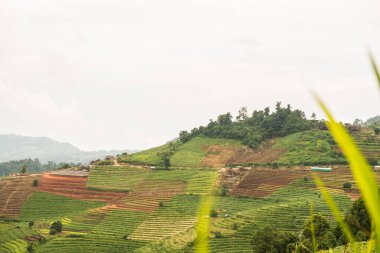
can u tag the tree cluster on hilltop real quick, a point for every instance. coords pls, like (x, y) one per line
(253, 129)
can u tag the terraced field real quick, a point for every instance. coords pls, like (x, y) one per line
(369, 143)
(135, 209)
(115, 178)
(192, 153)
(74, 187)
(14, 191)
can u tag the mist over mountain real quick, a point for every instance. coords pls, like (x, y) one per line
(16, 147)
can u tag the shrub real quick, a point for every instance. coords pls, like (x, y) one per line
(31, 223)
(347, 185)
(35, 182)
(217, 234)
(213, 213)
(55, 228)
(160, 204)
(30, 248)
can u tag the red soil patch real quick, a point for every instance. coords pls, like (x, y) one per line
(263, 154)
(14, 191)
(75, 187)
(262, 182)
(217, 156)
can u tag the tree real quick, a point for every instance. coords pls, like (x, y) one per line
(324, 235)
(243, 114)
(23, 169)
(30, 224)
(313, 116)
(270, 240)
(55, 228)
(166, 161)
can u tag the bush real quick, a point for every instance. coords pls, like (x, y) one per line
(55, 228)
(217, 234)
(30, 248)
(372, 161)
(213, 213)
(347, 185)
(31, 223)
(35, 182)
(160, 204)
(105, 163)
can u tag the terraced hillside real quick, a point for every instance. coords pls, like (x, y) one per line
(130, 207)
(14, 191)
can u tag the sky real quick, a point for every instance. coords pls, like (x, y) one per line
(131, 74)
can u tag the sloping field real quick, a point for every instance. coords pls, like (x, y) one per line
(266, 153)
(12, 235)
(262, 182)
(191, 153)
(14, 191)
(75, 187)
(217, 156)
(115, 178)
(146, 157)
(47, 206)
(369, 143)
(149, 193)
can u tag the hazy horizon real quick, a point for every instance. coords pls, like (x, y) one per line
(131, 75)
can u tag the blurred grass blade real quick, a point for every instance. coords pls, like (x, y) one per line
(334, 209)
(312, 229)
(361, 171)
(375, 68)
(203, 224)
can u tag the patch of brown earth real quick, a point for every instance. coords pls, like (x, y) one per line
(261, 182)
(14, 191)
(264, 154)
(75, 187)
(217, 156)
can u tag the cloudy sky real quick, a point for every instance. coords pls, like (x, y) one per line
(112, 74)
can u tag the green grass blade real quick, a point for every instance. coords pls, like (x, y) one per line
(361, 171)
(375, 68)
(334, 209)
(203, 224)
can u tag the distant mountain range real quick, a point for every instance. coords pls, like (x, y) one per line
(16, 147)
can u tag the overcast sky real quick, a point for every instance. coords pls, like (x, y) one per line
(115, 74)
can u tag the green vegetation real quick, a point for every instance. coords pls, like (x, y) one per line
(309, 147)
(191, 153)
(46, 206)
(27, 166)
(12, 235)
(146, 157)
(253, 129)
(113, 178)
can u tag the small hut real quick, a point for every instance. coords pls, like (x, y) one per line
(321, 169)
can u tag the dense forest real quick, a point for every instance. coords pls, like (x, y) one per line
(30, 165)
(253, 129)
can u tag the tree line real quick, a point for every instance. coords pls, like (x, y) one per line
(253, 129)
(28, 166)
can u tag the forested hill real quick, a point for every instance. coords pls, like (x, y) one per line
(253, 129)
